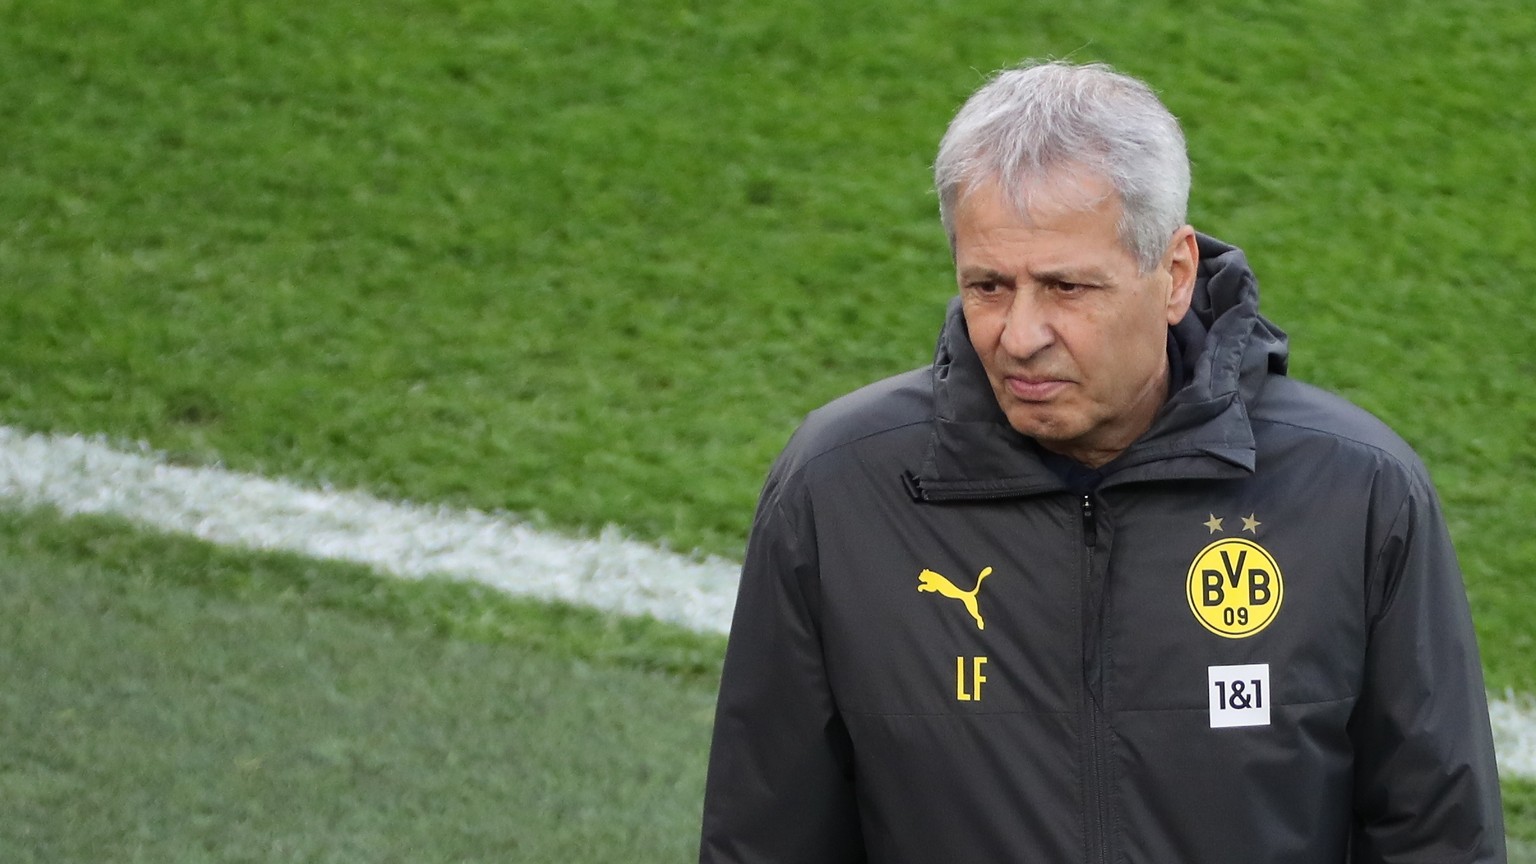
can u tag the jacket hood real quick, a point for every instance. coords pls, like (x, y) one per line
(1227, 350)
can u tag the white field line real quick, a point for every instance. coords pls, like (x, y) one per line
(80, 476)
(611, 572)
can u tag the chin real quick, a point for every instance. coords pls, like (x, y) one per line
(1040, 426)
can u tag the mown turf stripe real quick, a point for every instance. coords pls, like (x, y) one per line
(609, 572)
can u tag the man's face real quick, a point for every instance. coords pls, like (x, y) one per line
(1072, 336)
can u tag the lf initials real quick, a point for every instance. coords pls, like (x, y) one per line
(968, 688)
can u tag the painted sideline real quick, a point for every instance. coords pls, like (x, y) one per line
(610, 572)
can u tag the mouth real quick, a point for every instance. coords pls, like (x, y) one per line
(1031, 389)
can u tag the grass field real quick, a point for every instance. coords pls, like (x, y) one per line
(230, 707)
(589, 262)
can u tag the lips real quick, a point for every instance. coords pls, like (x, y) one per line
(1029, 389)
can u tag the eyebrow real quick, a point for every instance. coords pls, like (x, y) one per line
(984, 274)
(1087, 274)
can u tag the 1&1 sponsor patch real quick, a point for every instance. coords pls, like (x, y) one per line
(1239, 695)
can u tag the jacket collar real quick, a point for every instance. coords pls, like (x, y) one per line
(1203, 431)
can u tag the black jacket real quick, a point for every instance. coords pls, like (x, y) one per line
(1249, 643)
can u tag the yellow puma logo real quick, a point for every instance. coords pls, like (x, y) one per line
(931, 581)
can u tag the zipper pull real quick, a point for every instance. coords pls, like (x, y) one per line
(914, 486)
(1090, 530)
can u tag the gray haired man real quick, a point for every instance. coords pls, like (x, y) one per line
(1102, 583)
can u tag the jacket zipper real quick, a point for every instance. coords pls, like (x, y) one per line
(1094, 674)
(1095, 819)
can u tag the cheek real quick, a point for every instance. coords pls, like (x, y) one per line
(1115, 346)
(985, 332)
(1138, 350)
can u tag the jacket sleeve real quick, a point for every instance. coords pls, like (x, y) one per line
(780, 781)
(1426, 783)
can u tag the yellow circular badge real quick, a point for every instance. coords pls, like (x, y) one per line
(1234, 588)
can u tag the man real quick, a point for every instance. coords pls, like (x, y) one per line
(1102, 584)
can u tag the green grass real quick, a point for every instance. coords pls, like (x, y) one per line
(1520, 820)
(591, 261)
(554, 243)
(324, 716)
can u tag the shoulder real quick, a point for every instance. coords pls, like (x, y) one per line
(872, 417)
(1294, 410)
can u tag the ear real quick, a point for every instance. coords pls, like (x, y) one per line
(1181, 264)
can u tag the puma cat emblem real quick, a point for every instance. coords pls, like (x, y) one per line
(935, 582)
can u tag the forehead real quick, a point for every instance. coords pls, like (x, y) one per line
(1064, 220)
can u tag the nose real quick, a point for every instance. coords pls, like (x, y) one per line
(1027, 329)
